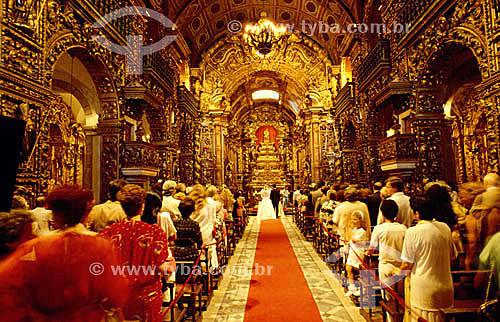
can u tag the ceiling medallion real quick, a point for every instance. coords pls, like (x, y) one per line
(264, 35)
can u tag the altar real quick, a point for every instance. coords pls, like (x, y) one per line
(268, 165)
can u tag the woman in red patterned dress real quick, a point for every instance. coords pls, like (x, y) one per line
(144, 251)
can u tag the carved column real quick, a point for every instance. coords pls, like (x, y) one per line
(91, 168)
(220, 126)
(109, 131)
(433, 134)
(493, 128)
(313, 121)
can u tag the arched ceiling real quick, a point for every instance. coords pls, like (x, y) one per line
(297, 68)
(204, 22)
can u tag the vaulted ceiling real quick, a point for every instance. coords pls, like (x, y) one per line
(203, 22)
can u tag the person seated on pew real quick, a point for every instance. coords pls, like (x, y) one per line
(189, 239)
(357, 239)
(388, 239)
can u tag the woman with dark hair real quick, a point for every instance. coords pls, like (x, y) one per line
(427, 253)
(152, 207)
(189, 238)
(140, 245)
(443, 208)
(65, 275)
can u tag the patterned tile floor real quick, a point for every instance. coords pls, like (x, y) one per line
(229, 301)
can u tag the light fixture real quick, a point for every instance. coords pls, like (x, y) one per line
(263, 35)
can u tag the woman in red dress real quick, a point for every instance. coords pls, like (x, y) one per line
(144, 251)
(63, 276)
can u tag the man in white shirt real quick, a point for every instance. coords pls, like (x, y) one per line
(388, 238)
(110, 212)
(395, 187)
(169, 203)
(427, 252)
(43, 218)
(296, 196)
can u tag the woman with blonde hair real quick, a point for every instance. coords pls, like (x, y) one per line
(205, 215)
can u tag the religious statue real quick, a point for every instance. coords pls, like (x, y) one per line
(266, 136)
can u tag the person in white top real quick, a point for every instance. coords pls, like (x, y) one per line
(388, 239)
(284, 194)
(205, 215)
(169, 203)
(266, 210)
(342, 214)
(395, 187)
(295, 197)
(428, 252)
(110, 212)
(43, 218)
(356, 251)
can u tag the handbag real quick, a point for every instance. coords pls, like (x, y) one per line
(170, 264)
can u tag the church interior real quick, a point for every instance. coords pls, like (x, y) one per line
(181, 125)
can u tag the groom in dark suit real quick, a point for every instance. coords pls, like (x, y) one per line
(275, 198)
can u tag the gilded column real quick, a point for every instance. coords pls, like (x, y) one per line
(433, 134)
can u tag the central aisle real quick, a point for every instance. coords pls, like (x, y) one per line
(278, 288)
(299, 285)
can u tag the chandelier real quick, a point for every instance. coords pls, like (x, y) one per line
(263, 35)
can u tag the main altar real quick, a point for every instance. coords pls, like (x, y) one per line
(268, 161)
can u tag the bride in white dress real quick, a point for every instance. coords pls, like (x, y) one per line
(266, 209)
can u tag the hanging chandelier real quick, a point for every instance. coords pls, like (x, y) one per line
(263, 35)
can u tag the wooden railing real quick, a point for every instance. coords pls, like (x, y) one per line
(158, 66)
(377, 59)
(187, 101)
(140, 155)
(398, 147)
(411, 12)
(345, 98)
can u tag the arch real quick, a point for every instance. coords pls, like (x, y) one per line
(452, 30)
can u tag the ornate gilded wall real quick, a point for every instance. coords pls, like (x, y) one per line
(34, 36)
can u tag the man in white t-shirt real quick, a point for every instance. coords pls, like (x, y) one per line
(395, 187)
(428, 251)
(388, 238)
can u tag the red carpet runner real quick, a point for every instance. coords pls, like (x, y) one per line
(284, 294)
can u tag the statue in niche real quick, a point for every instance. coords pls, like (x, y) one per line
(139, 132)
(23, 13)
(30, 133)
(338, 83)
(266, 136)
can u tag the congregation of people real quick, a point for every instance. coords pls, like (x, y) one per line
(419, 241)
(67, 244)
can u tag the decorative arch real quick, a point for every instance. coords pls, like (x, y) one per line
(464, 27)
